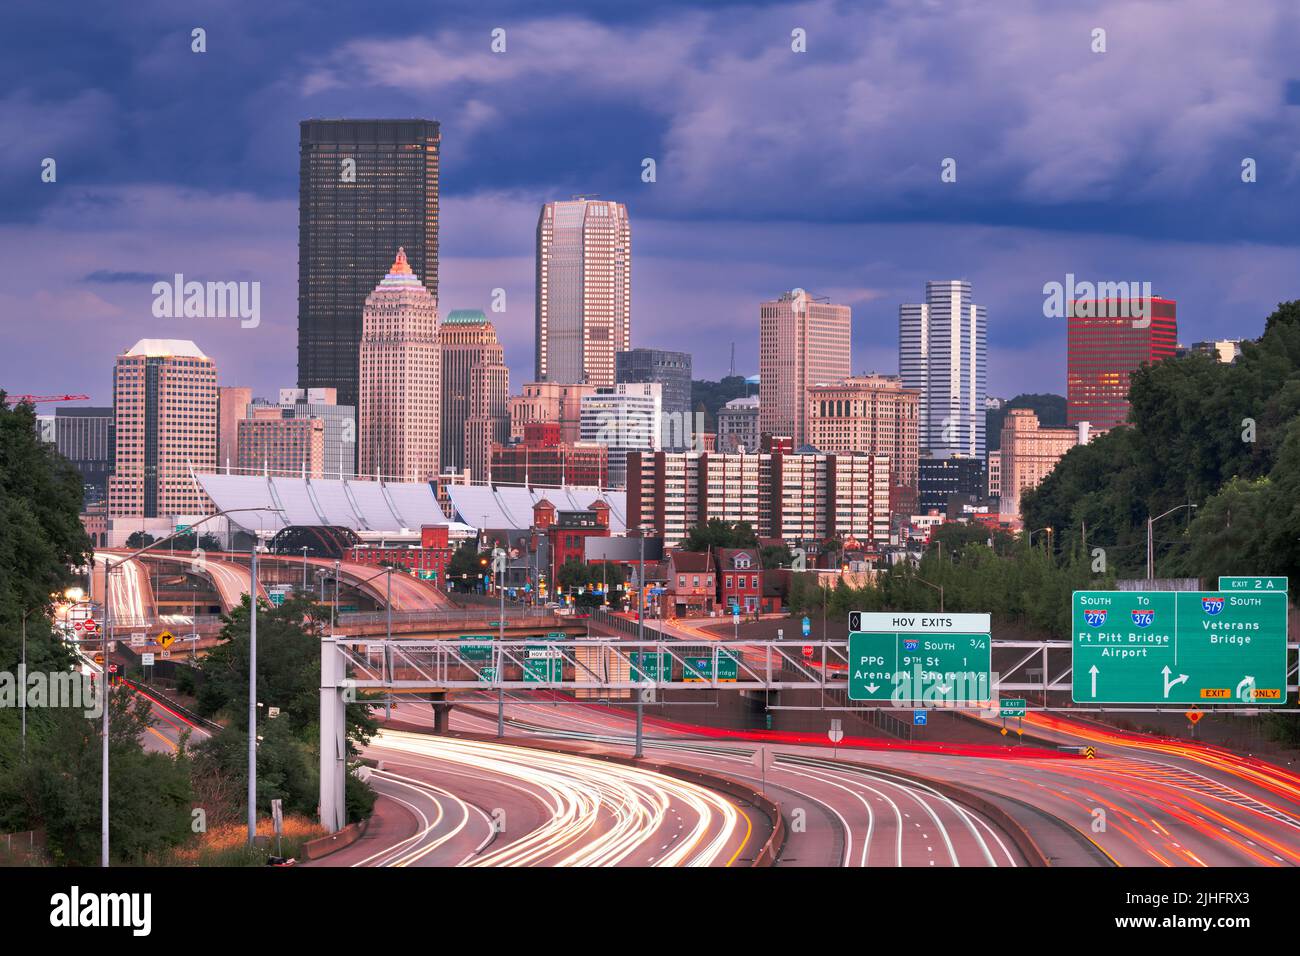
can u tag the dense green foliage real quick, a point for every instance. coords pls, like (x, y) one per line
(55, 783)
(716, 533)
(466, 568)
(288, 677)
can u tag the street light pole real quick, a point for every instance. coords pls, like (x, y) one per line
(252, 695)
(640, 636)
(304, 568)
(1151, 550)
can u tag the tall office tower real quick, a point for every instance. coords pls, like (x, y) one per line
(399, 418)
(738, 425)
(943, 354)
(232, 408)
(469, 342)
(365, 187)
(84, 436)
(672, 370)
(623, 418)
(802, 341)
(1107, 341)
(584, 290)
(165, 425)
(489, 419)
(870, 414)
(340, 426)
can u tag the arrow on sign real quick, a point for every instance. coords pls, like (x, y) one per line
(873, 687)
(1246, 689)
(1093, 671)
(1171, 684)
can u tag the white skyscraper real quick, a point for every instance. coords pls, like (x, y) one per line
(943, 354)
(584, 290)
(625, 417)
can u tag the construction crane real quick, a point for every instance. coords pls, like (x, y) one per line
(33, 399)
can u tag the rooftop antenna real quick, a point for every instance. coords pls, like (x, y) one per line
(732, 373)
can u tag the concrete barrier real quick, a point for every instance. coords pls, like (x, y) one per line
(324, 846)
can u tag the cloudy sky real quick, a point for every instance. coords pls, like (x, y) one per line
(775, 169)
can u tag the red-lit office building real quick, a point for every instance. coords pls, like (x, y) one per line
(1108, 340)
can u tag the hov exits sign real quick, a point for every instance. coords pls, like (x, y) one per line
(1184, 647)
(920, 658)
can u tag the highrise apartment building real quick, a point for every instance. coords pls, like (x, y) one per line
(1107, 341)
(232, 408)
(874, 415)
(804, 500)
(165, 429)
(943, 355)
(738, 425)
(365, 187)
(584, 290)
(276, 444)
(802, 341)
(475, 392)
(400, 366)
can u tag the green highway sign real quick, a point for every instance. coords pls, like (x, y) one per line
(487, 675)
(543, 665)
(920, 657)
(701, 668)
(1227, 583)
(476, 652)
(657, 666)
(1179, 647)
(1012, 707)
(556, 636)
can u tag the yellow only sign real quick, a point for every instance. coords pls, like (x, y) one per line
(166, 639)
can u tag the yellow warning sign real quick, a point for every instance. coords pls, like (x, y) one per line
(166, 639)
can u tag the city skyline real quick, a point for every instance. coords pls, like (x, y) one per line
(713, 235)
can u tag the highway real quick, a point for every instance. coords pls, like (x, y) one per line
(473, 803)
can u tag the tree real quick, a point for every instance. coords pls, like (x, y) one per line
(140, 539)
(716, 533)
(776, 556)
(467, 566)
(1049, 408)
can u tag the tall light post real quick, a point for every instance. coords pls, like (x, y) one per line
(1048, 529)
(304, 549)
(109, 566)
(640, 636)
(937, 587)
(1151, 550)
(252, 693)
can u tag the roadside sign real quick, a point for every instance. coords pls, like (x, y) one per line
(99, 658)
(137, 639)
(807, 627)
(146, 659)
(836, 733)
(930, 658)
(1182, 647)
(701, 668)
(476, 652)
(1089, 753)
(543, 665)
(273, 712)
(90, 625)
(277, 816)
(556, 636)
(166, 639)
(918, 718)
(1194, 716)
(1234, 583)
(1012, 707)
(487, 675)
(166, 655)
(112, 668)
(656, 666)
(112, 646)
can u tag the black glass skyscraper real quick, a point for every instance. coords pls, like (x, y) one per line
(365, 187)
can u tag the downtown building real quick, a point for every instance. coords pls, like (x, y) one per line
(584, 290)
(872, 415)
(1028, 454)
(1107, 341)
(399, 429)
(164, 429)
(672, 371)
(365, 187)
(475, 393)
(943, 356)
(623, 418)
(803, 500)
(84, 436)
(803, 341)
(541, 458)
(738, 425)
(275, 444)
(555, 403)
